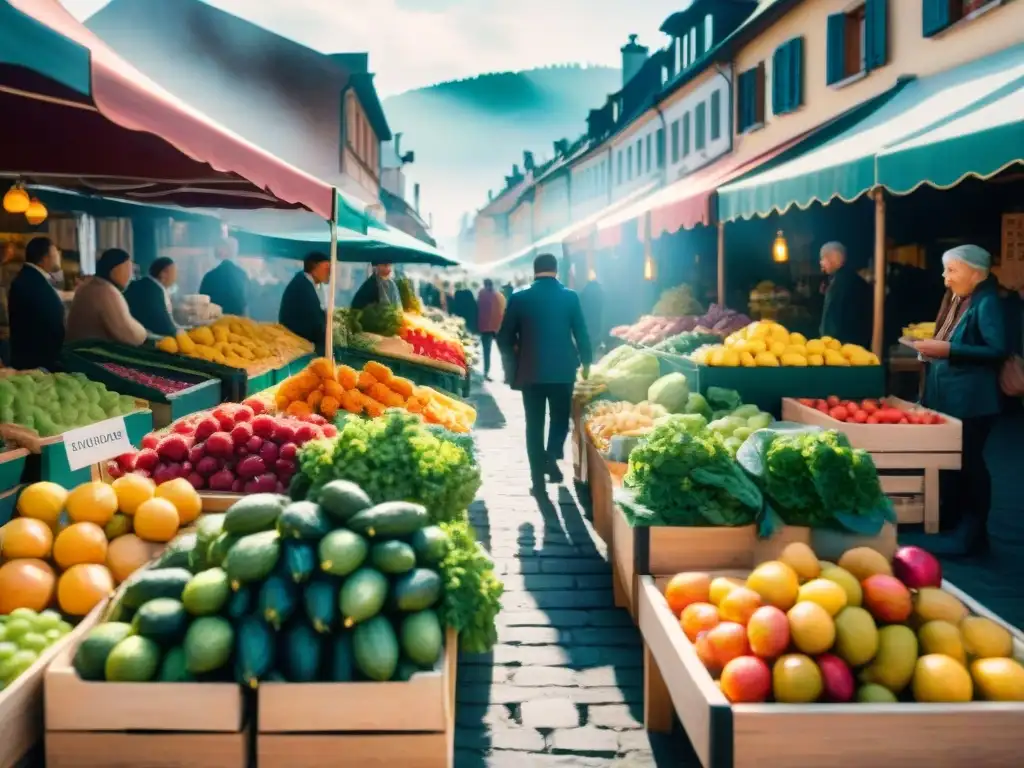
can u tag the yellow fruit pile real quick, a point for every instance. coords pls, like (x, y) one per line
(237, 342)
(86, 537)
(767, 344)
(920, 331)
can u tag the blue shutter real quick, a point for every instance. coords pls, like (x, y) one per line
(700, 118)
(716, 115)
(876, 33)
(780, 74)
(835, 64)
(935, 16)
(796, 73)
(744, 101)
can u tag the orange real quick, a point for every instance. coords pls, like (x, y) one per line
(686, 588)
(26, 537)
(156, 520)
(25, 584)
(126, 554)
(94, 502)
(80, 543)
(185, 498)
(131, 491)
(42, 501)
(82, 587)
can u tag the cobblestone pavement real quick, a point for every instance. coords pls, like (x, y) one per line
(564, 685)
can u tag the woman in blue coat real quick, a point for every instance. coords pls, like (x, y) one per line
(962, 380)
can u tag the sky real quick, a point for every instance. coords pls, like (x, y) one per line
(414, 43)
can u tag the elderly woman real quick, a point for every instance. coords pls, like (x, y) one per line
(99, 310)
(964, 360)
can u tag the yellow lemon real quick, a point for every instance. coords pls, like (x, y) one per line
(834, 358)
(183, 496)
(754, 346)
(131, 491)
(777, 348)
(797, 338)
(43, 501)
(815, 347)
(730, 358)
(766, 360)
(747, 360)
(794, 360)
(815, 360)
(93, 502)
(831, 343)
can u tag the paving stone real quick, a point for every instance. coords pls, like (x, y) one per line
(579, 598)
(535, 635)
(474, 714)
(542, 675)
(613, 716)
(549, 713)
(506, 759)
(538, 582)
(588, 565)
(610, 676)
(586, 740)
(608, 636)
(473, 673)
(530, 618)
(504, 693)
(634, 741)
(522, 739)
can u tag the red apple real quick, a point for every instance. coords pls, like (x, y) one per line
(887, 599)
(837, 679)
(917, 568)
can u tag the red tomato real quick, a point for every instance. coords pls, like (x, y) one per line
(832, 401)
(821, 406)
(838, 413)
(873, 419)
(860, 417)
(904, 420)
(806, 401)
(851, 406)
(869, 405)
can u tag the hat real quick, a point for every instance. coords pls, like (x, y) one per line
(971, 255)
(111, 259)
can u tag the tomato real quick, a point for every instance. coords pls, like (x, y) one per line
(873, 419)
(904, 420)
(822, 406)
(860, 417)
(806, 401)
(832, 401)
(851, 406)
(870, 406)
(838, 413)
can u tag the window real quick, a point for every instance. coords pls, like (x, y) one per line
(938, 15)
(639, 157)
(660, 141)
(750, 99)
(650, 140)
(619, 174)
(629, 162)
(675, 142)
(678, 45)
(686, 134)
(709, 31)
(857, 41)
(700, 126)
(694, 50)
(716, 115)
(788, 76)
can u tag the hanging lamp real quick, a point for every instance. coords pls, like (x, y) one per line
(780, 249)
(36, 213)
(16, 200)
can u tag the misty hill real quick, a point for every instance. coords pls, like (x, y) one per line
(468, 133)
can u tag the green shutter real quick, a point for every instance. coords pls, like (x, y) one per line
(746, 95)
(796, 73)
(935, 16)
(686, 134)
(780, 80)
(716, 115)
(835, 64)
(700, 117)
(876, 33)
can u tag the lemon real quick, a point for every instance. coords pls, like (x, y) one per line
(43, 501)
(756, 345)
(766, 360)
(815, 360)
(131, 491)
(777, 348)
(183, 496)
(826, 593)
(730, 358)
(815, 347)
(747, 360)
(93, 502)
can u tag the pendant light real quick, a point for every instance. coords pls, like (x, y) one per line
(36, 213)
(780, 250)
(16, 200)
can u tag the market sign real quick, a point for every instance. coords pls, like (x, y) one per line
(96, 443)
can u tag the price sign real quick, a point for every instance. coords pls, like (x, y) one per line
(97, 442)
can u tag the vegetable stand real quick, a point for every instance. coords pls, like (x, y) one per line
(728, 735)
(909, 456)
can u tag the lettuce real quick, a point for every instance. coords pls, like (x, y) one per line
(671, 391)
(632, 377)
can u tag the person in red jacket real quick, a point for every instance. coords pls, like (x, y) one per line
(490, 312)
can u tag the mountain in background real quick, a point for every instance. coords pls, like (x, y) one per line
(467, 134)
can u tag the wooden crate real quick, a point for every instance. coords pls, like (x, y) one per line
(924, 450)
(814, 735)
(577, 441)
(21, 705)
(599, 479)
(322, 725)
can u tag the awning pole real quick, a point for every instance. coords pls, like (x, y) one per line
(880, 264)
(721, 263)
(333, 282)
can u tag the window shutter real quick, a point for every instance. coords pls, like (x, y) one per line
(835, 69)
(686, 134)
(700, 119)
(876, 33)
(935, 16)
(796, 73)
(780, 78)
(744, 101)
(716, 114)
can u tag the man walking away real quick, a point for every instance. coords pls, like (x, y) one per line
(545, 331)
(491, 309)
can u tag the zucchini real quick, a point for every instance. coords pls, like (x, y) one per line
(303, 650)
(255, 513)
(342, 660)
(417, 590)
(277, 600)
(254, 651)
(303, 520)
(320, 598)
(392, 519)
(300, 559)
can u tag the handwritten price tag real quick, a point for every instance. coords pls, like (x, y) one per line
(98, 442)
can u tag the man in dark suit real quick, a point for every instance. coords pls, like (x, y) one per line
(227, 285)
(149, 298)
(36, 310)
(301, 310)
(545, 331)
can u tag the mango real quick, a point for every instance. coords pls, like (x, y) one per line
(940, 679)
(894, 663)
(801, 558)
(998, 679)
(846, 580)
(864, 562)
(856, 636)
(942, 637)
(934, 604)
(984, 639)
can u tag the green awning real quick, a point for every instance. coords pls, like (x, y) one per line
(33, 45)
(848, 164)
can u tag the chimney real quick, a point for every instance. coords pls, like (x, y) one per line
(633, 57)
(528, 164)
(416, 197)
(562, 147)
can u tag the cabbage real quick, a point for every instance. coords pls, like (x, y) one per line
(610, 361)
(670, 391)
(631, 378)
(696, 403)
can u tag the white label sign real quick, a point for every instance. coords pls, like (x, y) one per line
(98, 442)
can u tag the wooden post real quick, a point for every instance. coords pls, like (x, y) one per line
(332, 283)
(877, 332)
(721, 263)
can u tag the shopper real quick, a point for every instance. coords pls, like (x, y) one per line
(490, 311)
(35, 308)
(845, 315)
(302, 310)
(149, 297)
(99, 309)
(546, 335)
(227, 285)
(962, 380)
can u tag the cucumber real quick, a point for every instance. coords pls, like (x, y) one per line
(207, 592)
(392, 557)
(422, 638)
(303, 520)
(208, 644)
(341, 499)
(320, 598)
(277, 600)
(431, 545)
(391, 519)
(148, 584)
(135, 659)
(254, 651)
(255, 513)
(342, 659)
(300, 559)
(252, 558)
(242, 601)
(208, 528)
(218, 548)
(362, 596)
(299, 487)
(342, 552)
(375, 649)
(302, 650)
(174, 669)
(91, 656)
(417, 590)
(163, 620)
(178, 553)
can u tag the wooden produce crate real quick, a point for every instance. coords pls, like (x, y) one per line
(21, 705)
(599, 480)
(728, 735)
(577, 438)
(126, 725)
(322, 725)
(261, 379)
(909, 457)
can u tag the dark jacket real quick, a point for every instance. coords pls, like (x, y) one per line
(846, 315)
(37, 320)
(369, 293)
(301, 312)
(966, 384)
(227, 285)
(148, 304)
(545, 330)
(463, 304)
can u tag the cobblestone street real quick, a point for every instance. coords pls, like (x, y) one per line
(564, 685)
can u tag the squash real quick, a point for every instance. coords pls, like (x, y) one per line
(25, 584)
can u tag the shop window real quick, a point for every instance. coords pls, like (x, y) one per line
(686, 134)
(716, 115)
(938, 15)
(788, 77)
(675, 142)
(700, 126)
(639, 157)
(750, 94)
(660, 141)
(857, 41)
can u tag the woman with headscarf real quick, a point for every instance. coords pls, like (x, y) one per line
(962, 380)
(149, 297)
(99, 310)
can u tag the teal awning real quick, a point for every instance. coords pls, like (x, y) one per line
(914, 129)
(30, 44)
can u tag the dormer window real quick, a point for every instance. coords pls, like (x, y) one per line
(686, 52)
(709, 31)
(694, 50)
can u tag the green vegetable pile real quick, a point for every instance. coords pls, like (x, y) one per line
(684, 475)
(395, 458)
(53, 403)
(472, 593)
(462, 440)
(382, 319)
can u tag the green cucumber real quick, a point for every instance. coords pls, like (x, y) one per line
(300, 559)
(303, 520)
(392, 519)
(342, 499)
(277, 600)
(208, 644)
(303, 651)
(174, 669)
(392, 557)
(431, 545)
(255, 513)
(362, 596)
(218, 548)
(417, 590)
(163, 620)
(254, 651)
(252, 558)
(342, 659)
(422, 638)
(320, 598)
(148, 584)
(375, 649)
(342, 552)
(242, 601)
(207, 592)
(91, 656)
